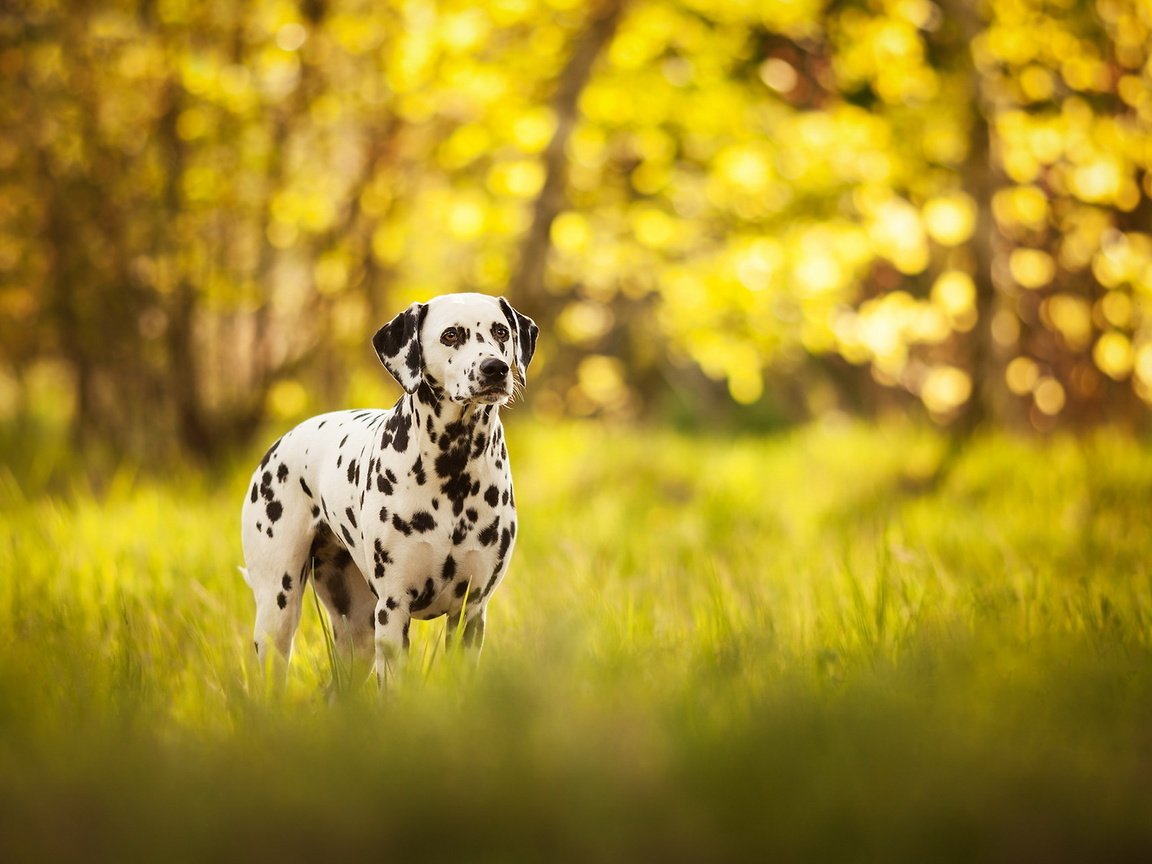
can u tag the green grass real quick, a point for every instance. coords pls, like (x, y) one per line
(777, 654)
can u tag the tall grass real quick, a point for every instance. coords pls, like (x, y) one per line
(776, 651)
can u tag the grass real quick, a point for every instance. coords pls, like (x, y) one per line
(779, 653)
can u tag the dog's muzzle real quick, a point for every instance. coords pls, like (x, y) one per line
(493, 381)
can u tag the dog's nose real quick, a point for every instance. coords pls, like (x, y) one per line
(493, 367)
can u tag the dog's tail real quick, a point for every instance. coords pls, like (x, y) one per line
(244, 573)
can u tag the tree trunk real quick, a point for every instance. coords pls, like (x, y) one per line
(980, 181)
(528, 280)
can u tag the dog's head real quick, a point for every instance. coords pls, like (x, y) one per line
(470, 347)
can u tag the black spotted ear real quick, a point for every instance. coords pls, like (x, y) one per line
(397, 345)
(524, 333)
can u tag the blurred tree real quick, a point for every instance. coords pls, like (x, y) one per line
(868, 205)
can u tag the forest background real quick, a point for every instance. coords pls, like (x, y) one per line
(753, 212)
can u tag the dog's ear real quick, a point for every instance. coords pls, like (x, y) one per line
(397, 345)
(524, 333)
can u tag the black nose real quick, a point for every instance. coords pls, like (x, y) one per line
(493, 367)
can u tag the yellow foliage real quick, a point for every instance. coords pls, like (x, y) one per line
(1031, 268)
(585, 322)
(571, 232)
(1113, 355)
(1116, 308)
(945, 388)
(898, 235)
(1071, 317)
(601, 378)
(1049, 396)
(466, 216)
(1026, 206)
(287, 400)
(1021, 375)
(950, 219)
(954, 293)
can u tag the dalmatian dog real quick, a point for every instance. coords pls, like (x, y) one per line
(398, 514)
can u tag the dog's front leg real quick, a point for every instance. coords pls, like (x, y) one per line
(393, 618)
(471, 633)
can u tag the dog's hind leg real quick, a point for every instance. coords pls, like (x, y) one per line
(278, 587)
(277, 530)
(351, 606)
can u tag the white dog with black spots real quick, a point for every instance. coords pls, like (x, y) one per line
(399, 514)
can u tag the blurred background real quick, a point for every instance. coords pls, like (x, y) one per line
(745, 213)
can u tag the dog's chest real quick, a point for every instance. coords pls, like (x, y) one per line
(429, 512)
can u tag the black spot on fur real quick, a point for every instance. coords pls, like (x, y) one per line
(460, 533)
(343, 441)
(492, 496)
(489, 534)
(274, 510)
(382, 553)
(338, 594)
(399, 425)
(422, 521)
(281, 600)
(424, 599)
(254, 491)
(382, 618)
(383, 514)
(315, 511)
(351, 514)
(282, 472)
(347, 535)
(412, 359)
(461, 588)
(352, 471)
(472, 515)
(418, 471)
(492, 581)
(304, 486)
(401, 526)
(505, 542)
(268, 455)
(448, 571)
(451, 465)
(286, 582)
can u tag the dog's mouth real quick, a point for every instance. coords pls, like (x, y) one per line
(491, 394)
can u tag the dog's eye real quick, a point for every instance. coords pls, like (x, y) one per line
(500, 332)
(450, 336)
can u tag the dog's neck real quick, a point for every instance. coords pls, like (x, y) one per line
(436, 419)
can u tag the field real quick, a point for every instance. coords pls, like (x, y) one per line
(797, 650)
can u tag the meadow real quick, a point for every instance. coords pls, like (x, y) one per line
(801, 648)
